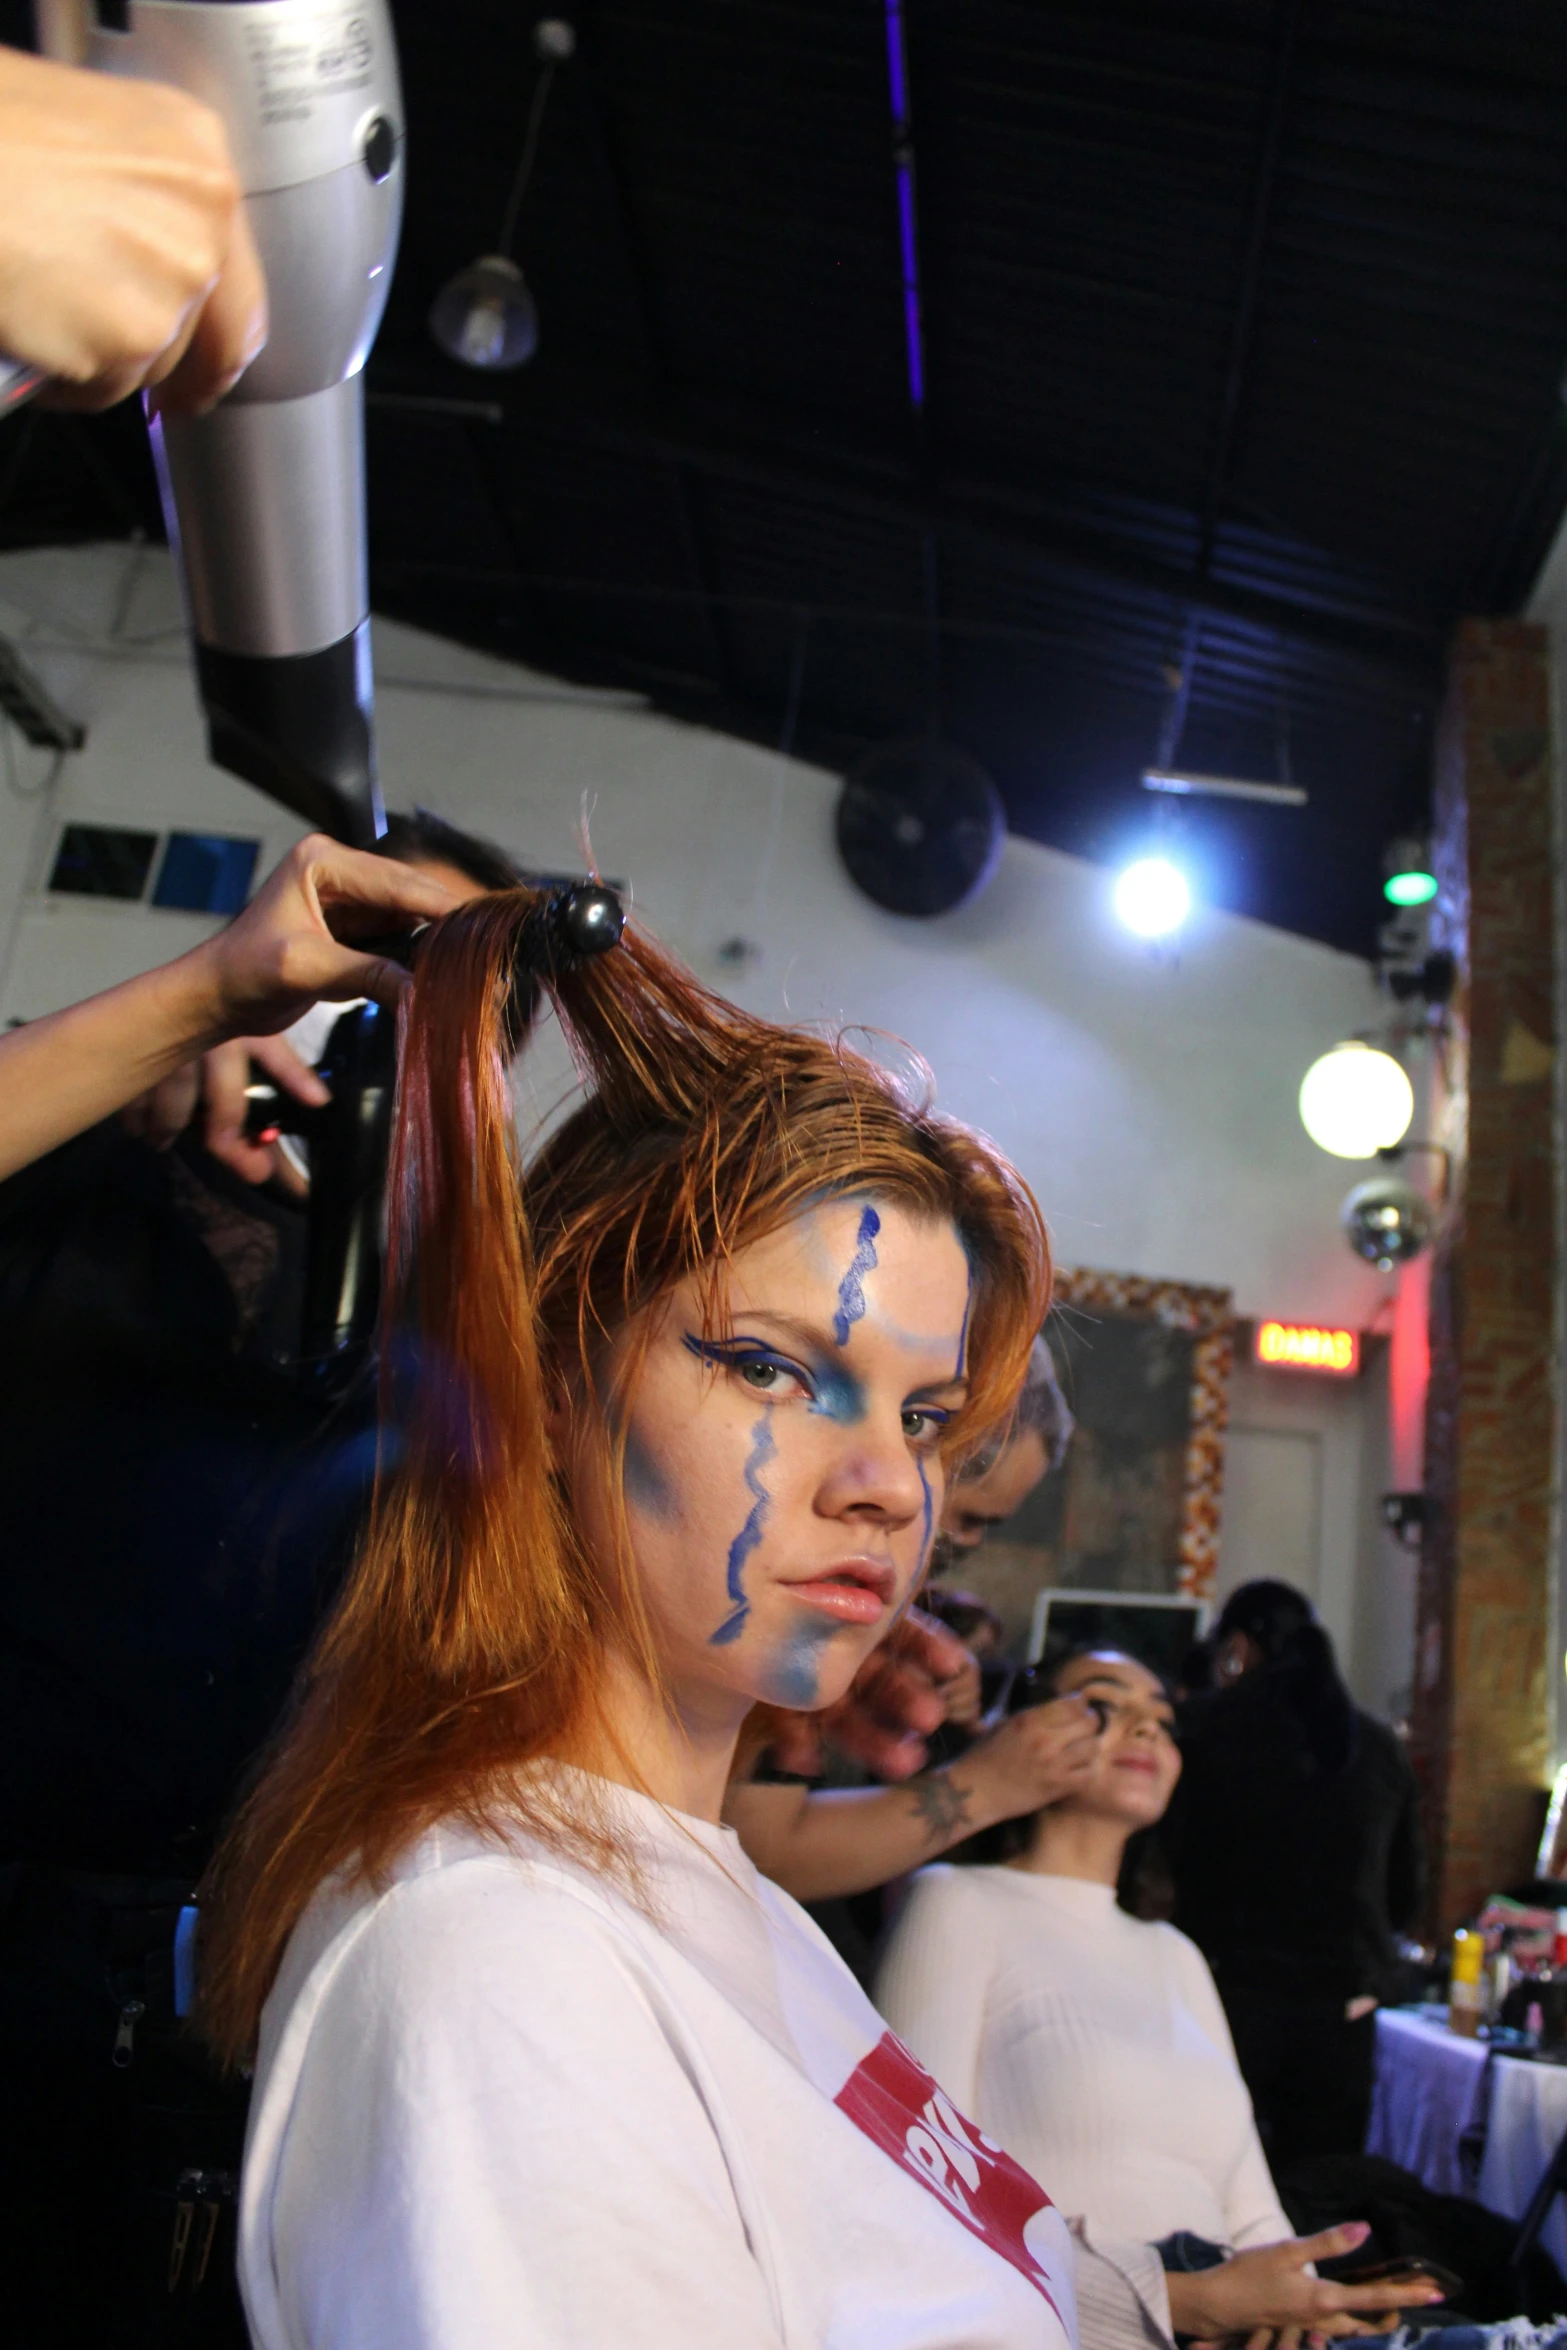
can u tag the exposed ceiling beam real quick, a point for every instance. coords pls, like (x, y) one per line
(651, 339)
(598, 412)
(1242, 322)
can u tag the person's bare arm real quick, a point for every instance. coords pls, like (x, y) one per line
(822, 1844)
(125, 258)
(290, 948)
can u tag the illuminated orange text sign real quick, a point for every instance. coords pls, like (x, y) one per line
(1299, 1346)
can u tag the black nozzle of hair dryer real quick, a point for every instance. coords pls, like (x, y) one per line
(300, 727)
(348, 1150)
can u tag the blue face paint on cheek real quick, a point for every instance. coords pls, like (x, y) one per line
(750, 1534)
(929, 1512)
(851, 1289)
(793, 1676)
(646, 1486)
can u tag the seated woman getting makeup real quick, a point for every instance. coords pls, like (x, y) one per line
(668, 1414)
(1092, 2043)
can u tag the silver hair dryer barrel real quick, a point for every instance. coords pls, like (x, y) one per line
(265, 497)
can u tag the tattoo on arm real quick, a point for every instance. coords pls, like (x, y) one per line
(942, 1805)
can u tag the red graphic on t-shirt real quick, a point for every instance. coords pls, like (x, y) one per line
(896, 2103)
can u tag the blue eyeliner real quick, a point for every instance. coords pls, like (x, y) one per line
(750, 1534)
(729, 1354)
(851, 1289)
(834, 1392)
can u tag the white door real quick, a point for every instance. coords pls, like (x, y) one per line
(1272, 1521)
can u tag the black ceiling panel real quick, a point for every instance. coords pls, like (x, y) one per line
(1244, 328)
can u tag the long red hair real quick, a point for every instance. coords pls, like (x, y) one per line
(471, 1635)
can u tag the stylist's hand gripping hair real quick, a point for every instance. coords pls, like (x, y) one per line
(291, 947)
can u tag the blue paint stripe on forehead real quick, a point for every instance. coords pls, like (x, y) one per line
(851, 1289)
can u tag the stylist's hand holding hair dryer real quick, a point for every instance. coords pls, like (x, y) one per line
(126, 263)
(293, 946)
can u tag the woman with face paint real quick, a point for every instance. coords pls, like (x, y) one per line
(668, 1417)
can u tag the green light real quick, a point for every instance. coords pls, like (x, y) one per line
(1409, 889)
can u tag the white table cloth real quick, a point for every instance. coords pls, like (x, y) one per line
(1429, 2087)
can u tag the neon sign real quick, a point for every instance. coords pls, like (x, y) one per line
(1300, 1346)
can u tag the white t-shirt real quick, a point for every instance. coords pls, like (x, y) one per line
(496, 2104)
(1090, 2044)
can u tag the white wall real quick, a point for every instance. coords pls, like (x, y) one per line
(1150, 1103)
(1305, 1465)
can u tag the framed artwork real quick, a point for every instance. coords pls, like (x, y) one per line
(1145, 1366)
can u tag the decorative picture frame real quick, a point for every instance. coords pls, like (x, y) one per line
(1208, 1315)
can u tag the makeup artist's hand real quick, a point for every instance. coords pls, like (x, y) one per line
(896, 1701)
(1033, 1758)
(963, 1697)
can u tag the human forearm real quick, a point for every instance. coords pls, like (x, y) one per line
(286, 951)
(837, 1841)
(62, 1074)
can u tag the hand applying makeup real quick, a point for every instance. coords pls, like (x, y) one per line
(898, 1699)
(823, 1844)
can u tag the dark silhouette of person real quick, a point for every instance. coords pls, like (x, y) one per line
(1295, 1847)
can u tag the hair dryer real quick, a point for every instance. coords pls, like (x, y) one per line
(264, 498)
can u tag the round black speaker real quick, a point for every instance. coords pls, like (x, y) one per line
(920, 826)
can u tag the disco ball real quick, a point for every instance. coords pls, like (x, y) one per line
(1386, 1221)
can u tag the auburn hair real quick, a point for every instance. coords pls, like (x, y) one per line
(471, 1635)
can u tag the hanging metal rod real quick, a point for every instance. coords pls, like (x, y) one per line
(1222, 787)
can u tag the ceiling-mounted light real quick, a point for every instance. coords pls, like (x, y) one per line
(485, 316)
(1356, 1101)
(1407, 878)
(1153, 897)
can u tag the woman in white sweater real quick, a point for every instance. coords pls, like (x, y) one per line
(1091, 2043)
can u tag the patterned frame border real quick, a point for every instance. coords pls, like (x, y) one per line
(1210, 1314)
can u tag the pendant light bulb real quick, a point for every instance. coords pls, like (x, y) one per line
(485, 317)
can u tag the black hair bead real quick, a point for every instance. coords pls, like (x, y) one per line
(589, 919)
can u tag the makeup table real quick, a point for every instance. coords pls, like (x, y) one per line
(1431, 2085)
